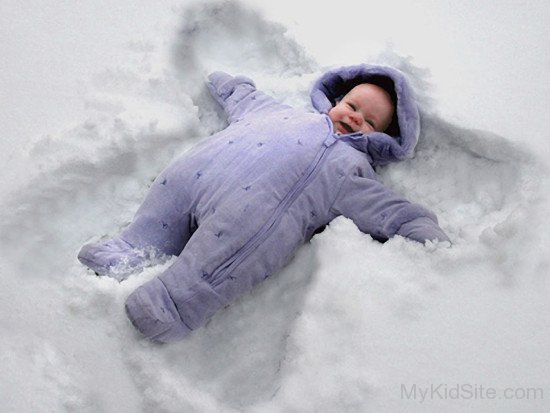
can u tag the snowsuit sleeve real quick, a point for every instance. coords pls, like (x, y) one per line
(238, 95)
(380, 212)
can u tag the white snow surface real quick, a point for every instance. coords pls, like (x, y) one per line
(98, 97)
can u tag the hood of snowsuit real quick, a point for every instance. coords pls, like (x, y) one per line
(381, 147)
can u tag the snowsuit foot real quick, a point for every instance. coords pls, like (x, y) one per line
(115, 257)
(153, 313)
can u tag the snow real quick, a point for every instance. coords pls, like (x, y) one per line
(97, 98)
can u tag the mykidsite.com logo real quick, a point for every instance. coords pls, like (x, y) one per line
(443, 391)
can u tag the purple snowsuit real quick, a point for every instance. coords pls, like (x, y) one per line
(237, 206)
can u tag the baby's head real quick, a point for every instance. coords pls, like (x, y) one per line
(367, 107)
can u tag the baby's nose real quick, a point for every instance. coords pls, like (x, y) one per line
(355, 118)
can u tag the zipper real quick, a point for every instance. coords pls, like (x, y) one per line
(223, 272)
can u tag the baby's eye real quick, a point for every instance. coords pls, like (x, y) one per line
(351, 106)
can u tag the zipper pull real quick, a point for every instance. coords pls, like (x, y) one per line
(330, 140)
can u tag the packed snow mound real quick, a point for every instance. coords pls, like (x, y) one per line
(339, 329)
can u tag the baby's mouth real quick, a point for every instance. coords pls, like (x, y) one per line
(346, 127)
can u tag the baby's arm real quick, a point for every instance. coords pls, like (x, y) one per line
(238, 95)
(379, 211)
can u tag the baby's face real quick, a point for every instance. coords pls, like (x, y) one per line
(366, 108)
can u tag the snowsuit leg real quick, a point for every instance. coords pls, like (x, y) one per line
(184, 297)
(181, 299)
(163, 220)
(161, 226)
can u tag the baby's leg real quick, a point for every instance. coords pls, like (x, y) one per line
(161, 227)
(170, 306)
(188, 293)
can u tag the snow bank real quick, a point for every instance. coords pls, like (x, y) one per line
(343, 328)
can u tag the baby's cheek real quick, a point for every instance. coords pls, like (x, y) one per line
(333, 115)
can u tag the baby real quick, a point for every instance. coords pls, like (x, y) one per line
(235, 208)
